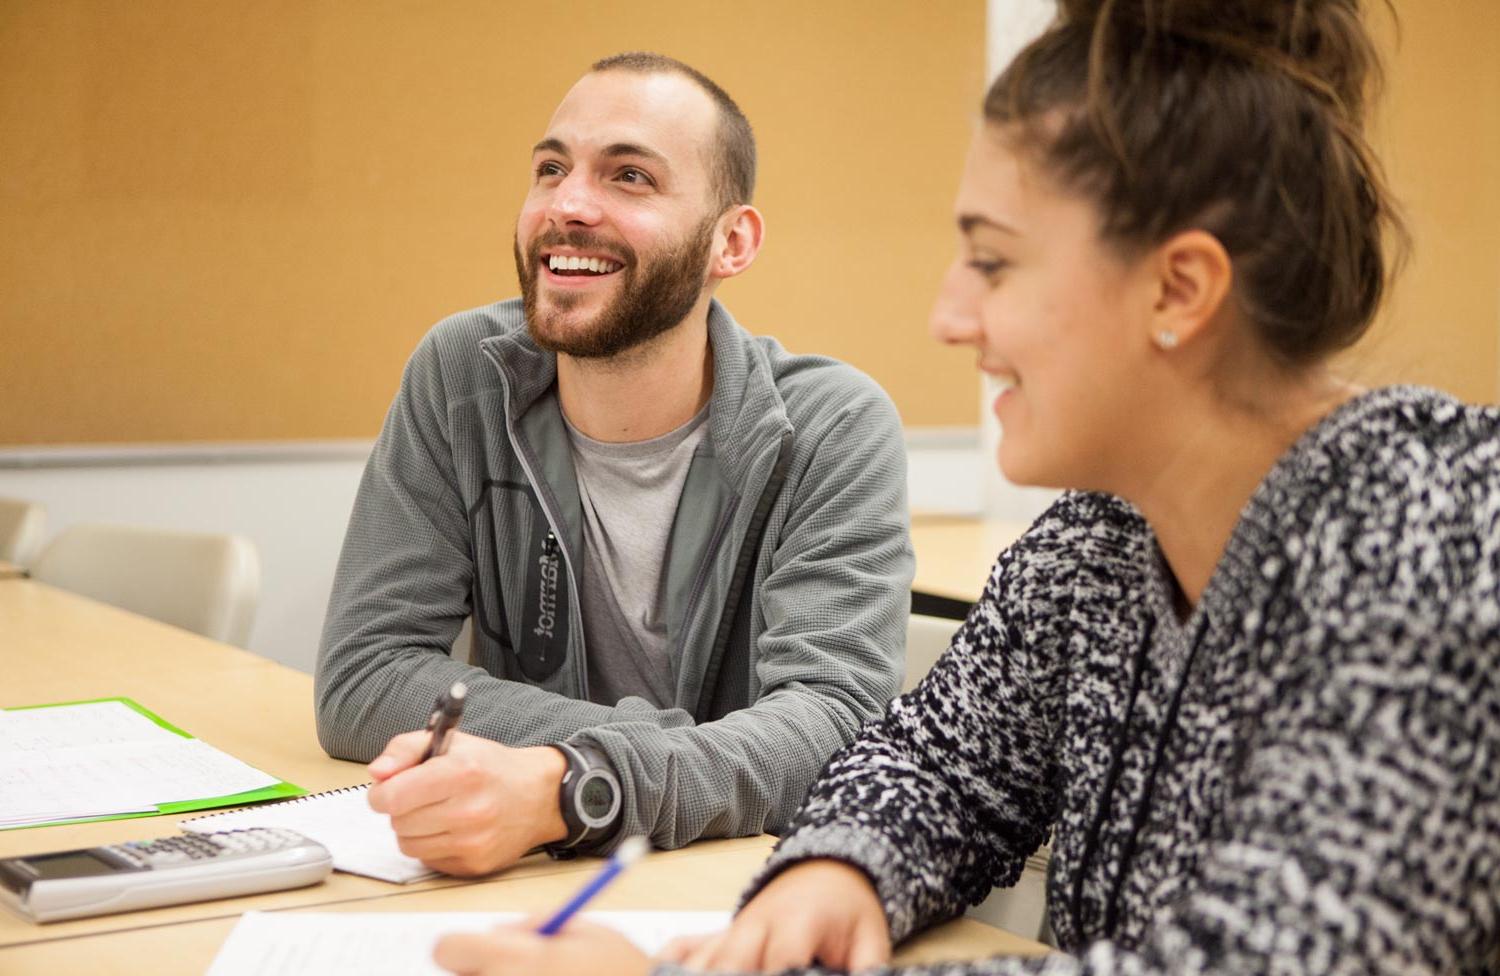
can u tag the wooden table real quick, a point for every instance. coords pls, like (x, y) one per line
(55, 646)
(11, 571)
(955, 554)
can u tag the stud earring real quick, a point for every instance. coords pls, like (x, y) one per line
(1166, 339)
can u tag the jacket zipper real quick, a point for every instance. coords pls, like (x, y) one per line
(575, 626)
(744, 570)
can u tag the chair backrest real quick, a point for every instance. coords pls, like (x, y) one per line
(926, 640)
(206, 583)
(22, 525)
(1021, 908)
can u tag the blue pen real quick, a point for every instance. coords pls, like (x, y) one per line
(631, 849)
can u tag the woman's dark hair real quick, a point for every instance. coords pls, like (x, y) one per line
(1243, 118)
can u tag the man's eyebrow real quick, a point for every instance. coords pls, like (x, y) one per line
(614, 150)
(969, 222)
(631, 149)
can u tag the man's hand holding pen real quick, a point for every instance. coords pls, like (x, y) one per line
(463, 804)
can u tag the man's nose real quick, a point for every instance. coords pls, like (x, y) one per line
(576, 201)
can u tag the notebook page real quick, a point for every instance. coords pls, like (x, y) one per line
(360, 840)
(401, 943)
(84, 725)
(102, 758)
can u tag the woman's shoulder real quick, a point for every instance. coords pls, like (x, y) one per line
(1092, 521)
(1406, 461)
(1402, 434)
(1082, 539)
(1403, 520)
(1387, 595)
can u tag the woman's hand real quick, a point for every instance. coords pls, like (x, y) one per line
(822, 910)
(580, 949)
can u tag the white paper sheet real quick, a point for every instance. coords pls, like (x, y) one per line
(65, 726)
(74, 761)
(401, 943)
(360, 840)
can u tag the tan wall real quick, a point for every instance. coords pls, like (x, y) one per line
(233, 220)
(1439, 132)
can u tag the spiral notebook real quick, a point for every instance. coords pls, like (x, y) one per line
(360, 840)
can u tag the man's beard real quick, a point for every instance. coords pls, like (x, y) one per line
(652, 298)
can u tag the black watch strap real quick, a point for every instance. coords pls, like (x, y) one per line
(590, 798)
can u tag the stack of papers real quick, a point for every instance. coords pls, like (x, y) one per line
(105, 758)
(401, 943)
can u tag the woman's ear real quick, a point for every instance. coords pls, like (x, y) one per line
(1193, 276)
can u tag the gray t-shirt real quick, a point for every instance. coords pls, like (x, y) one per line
(629, 494)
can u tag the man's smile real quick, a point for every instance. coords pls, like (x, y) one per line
(580, 265)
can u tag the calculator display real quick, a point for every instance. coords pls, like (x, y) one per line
(71, 864)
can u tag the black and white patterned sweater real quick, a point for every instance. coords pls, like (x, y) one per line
(1302, 777)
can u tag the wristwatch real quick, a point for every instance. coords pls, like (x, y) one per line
(590, 797)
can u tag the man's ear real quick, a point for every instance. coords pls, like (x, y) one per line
(1193, 276)
(737, 238)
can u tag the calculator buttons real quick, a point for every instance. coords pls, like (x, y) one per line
(255, 840)
(175, 851)
(126, 854)
(168, 851)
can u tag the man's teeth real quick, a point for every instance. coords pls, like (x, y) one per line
(558, 262)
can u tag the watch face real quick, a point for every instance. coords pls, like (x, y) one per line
(596, 798)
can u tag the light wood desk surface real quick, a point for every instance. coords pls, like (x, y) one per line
(55, 646)
(11, 571)
(955, 554)
(705, 877)
(60, 647)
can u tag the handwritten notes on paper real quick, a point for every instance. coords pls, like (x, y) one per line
(95, 759)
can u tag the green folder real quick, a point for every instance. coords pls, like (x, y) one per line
(276, 791)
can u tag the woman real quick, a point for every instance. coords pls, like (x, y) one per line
(1245, 673)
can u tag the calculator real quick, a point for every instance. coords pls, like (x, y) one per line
(168, 871)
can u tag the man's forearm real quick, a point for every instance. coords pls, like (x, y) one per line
(361, 708)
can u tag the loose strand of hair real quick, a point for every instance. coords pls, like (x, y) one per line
(1100, 113)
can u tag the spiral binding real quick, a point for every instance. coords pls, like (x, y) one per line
(243, 811)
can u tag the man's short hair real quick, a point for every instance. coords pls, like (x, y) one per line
(734, 167)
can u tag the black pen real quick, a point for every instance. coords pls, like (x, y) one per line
(445, 715)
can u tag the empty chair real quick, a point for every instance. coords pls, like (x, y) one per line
(1021, 908)
(21, 527)
(926, 640)
(202, 582)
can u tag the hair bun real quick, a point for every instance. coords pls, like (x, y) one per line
(1322, 44)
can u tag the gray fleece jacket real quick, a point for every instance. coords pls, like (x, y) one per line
(787, 576)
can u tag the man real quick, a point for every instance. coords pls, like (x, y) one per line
(685, 551)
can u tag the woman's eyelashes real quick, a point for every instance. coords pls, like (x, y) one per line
(989, 268)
